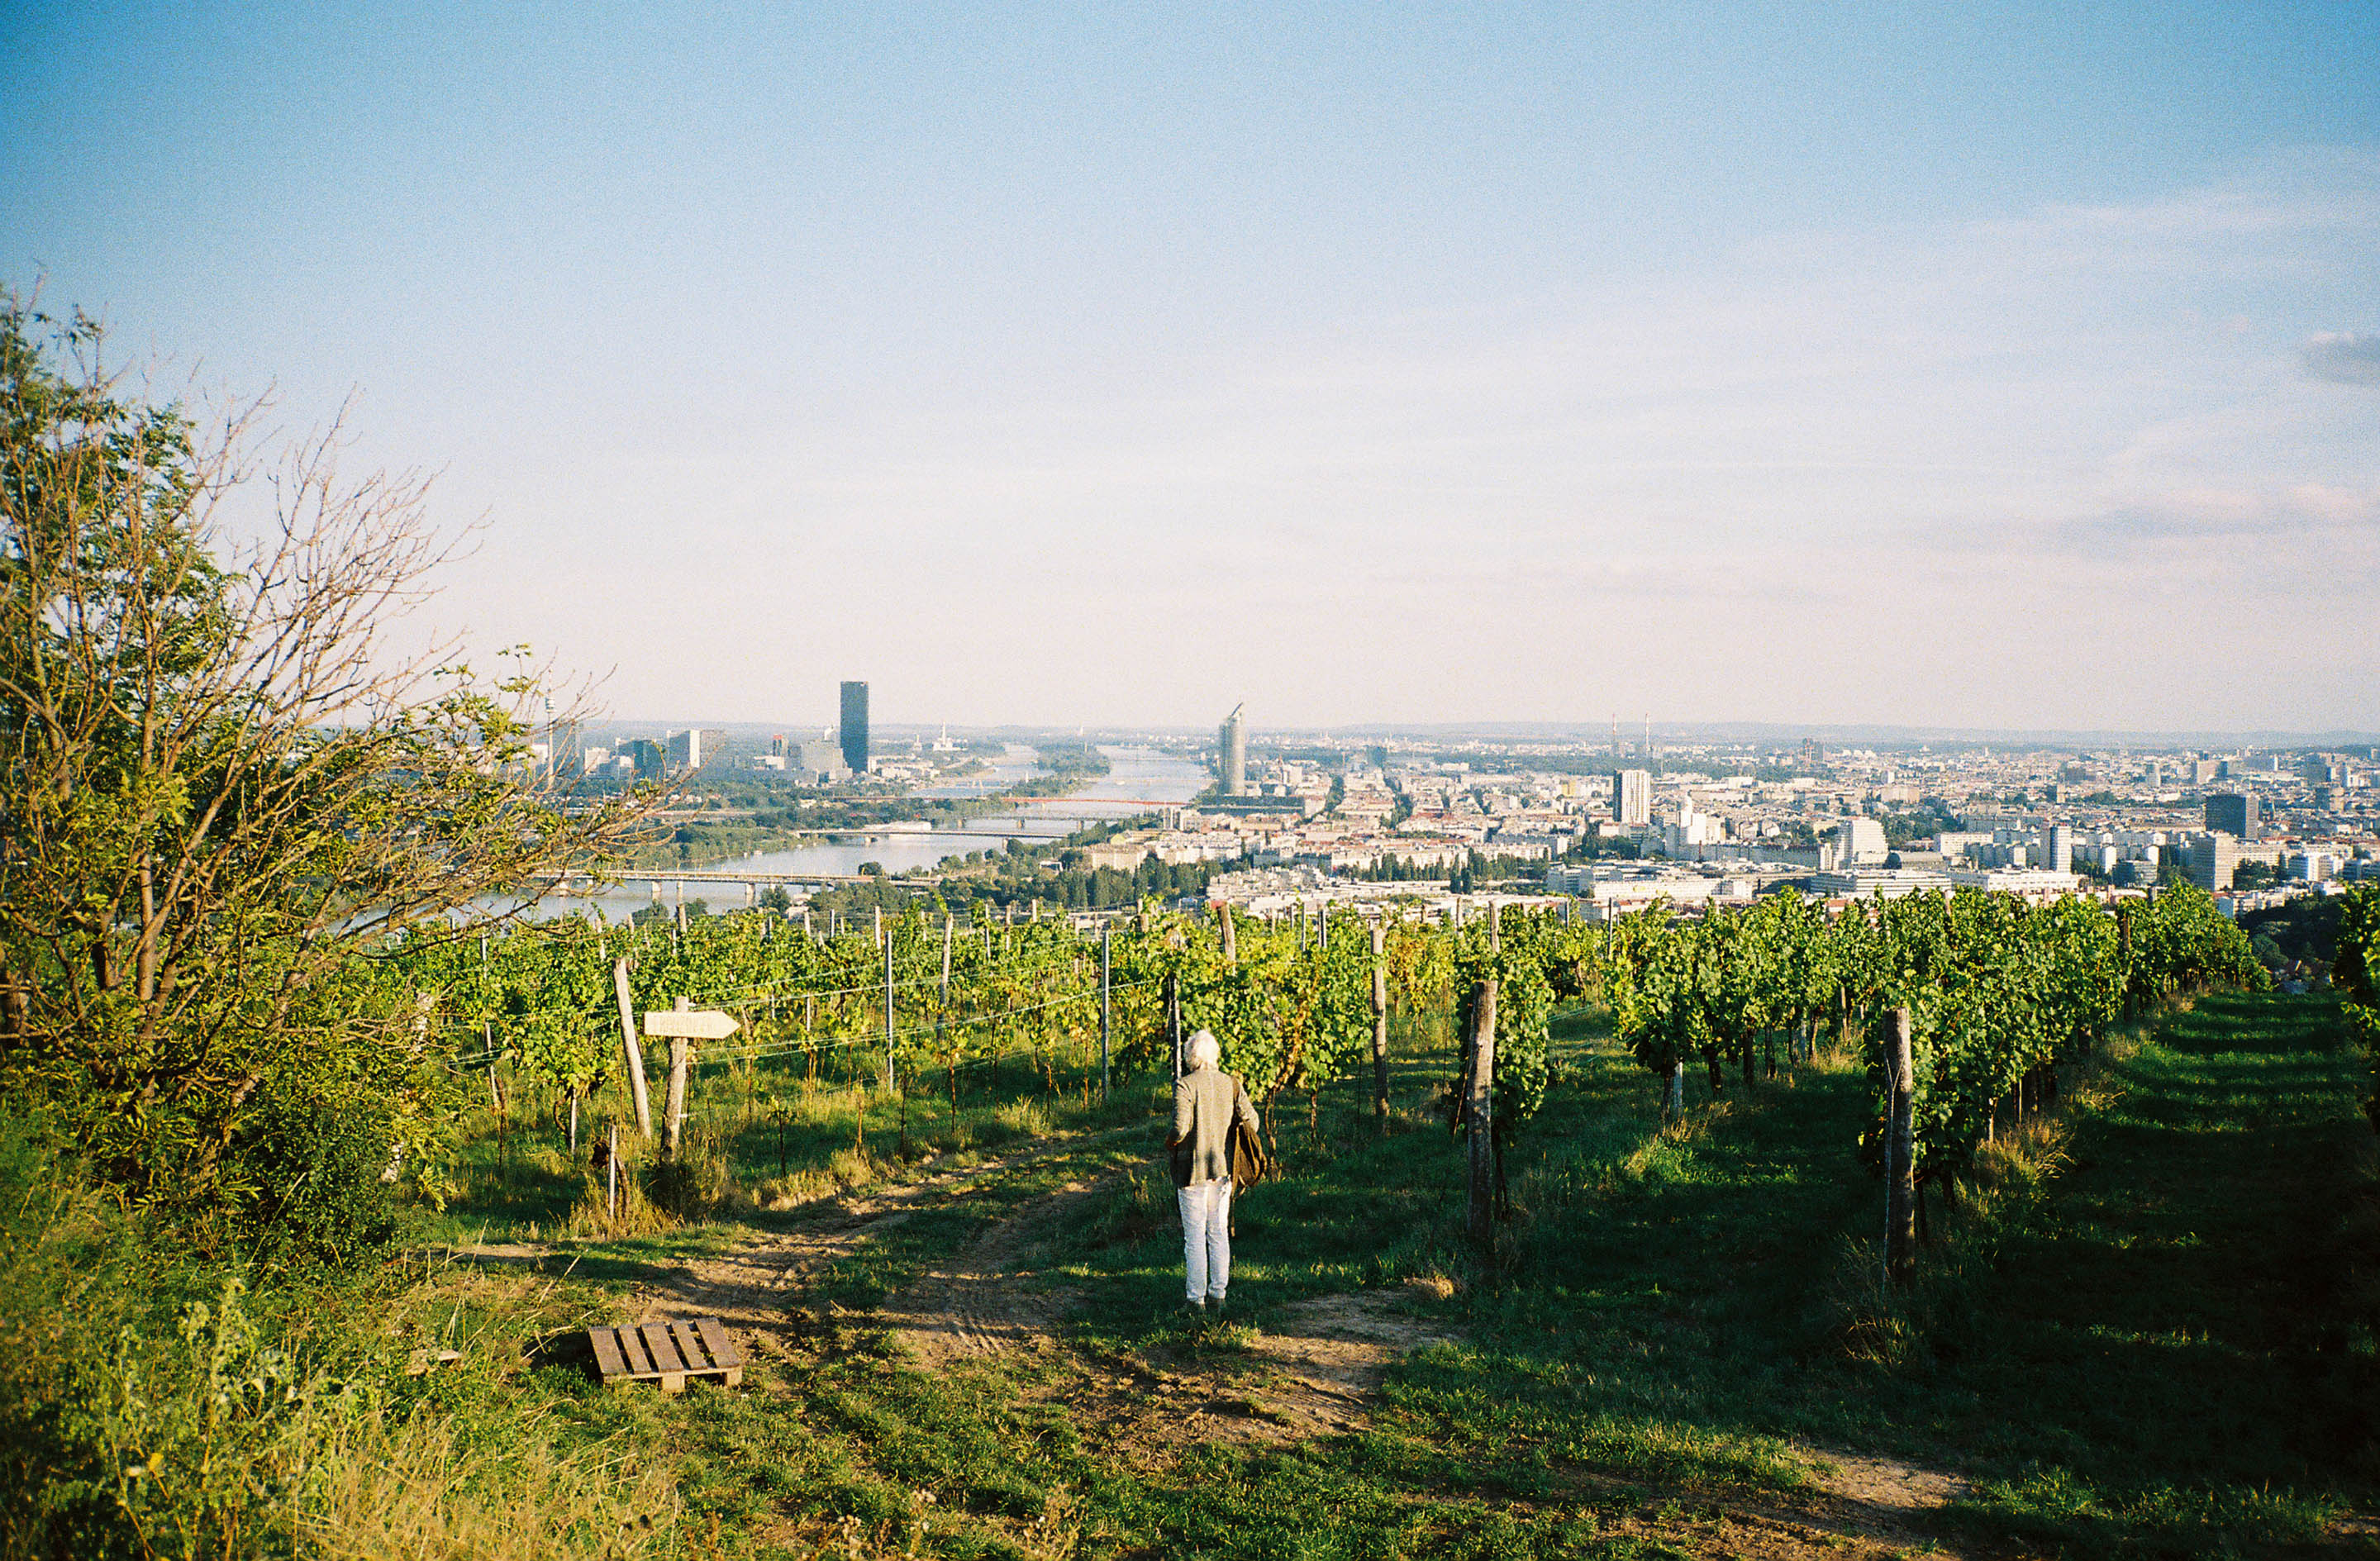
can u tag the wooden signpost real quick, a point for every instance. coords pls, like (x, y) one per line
(679, 1026)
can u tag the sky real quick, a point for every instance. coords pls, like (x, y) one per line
(1993, 366)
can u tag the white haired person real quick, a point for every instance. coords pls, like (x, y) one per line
(1208, 1103)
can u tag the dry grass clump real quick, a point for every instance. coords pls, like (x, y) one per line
(1433, 1286)
(593, 1217)
(1021, 1118)
(401, 1489)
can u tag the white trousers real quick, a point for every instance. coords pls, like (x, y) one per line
(1207, 1235)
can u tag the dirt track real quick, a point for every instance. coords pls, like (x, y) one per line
(1315, 1368)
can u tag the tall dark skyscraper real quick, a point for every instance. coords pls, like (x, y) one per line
(855, 727)
(2234, 813)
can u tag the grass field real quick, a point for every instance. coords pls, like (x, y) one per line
(2148, 1331)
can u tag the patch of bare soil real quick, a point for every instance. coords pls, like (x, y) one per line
(1855, 1504)
(1315, 1369)
(986, 1299)
(1733, 1530)
(751, 1285)
(1889, 1486)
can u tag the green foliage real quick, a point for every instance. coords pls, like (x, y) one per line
(2356, 973)
(216, 811)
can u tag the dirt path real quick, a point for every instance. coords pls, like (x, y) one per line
(1312, 1368)
(751, 1284)
(1887, 1485)
(985, 1300)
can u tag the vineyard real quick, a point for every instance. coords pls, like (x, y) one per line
(924, 1029)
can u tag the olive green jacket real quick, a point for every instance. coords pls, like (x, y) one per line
(1206, 1103)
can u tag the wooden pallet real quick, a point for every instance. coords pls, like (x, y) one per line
(667, 1353)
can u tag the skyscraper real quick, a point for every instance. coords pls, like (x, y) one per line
(1231, 758)
(855, 727)
(1632, 798)
(698, 748)
(2234, 813)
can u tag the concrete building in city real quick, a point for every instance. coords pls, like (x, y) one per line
(2213, 857)
(853, 732)
(1231, 753)
(2058, 848)
(2033, 883)
(1877, 883)
(1632, 798)
(696, 748)
(1859, 841)
(647, 759)
(818, 762)
(2234, 813)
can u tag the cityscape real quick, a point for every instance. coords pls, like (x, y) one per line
(1311, 819)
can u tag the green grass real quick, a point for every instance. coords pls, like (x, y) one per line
(2162, 1347)
(2172, 1350)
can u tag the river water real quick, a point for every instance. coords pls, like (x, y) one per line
(1135, 778)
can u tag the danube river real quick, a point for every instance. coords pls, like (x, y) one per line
(1135, 778)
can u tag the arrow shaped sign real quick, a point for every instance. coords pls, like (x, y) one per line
(701, 1025)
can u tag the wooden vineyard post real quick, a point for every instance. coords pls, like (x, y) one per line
(1900, 1153)
(886, 937)
(1107, 969)
(1173, 1020)
(1381, 1023)
(943, 1018)
(1479, 1113)
(632, 1055)
(1230, 941)
(674, 1117)
(611, 1174)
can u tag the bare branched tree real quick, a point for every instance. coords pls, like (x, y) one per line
(221, 791)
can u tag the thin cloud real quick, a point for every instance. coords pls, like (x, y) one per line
(2343, 357)
(2309, 523)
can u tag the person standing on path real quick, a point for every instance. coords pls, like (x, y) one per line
(1208, 1103)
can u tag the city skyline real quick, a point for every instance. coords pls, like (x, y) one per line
(2010, 370)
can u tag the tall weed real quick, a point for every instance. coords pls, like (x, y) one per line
(154, 1405)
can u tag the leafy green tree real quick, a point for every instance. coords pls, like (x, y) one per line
(223, 791)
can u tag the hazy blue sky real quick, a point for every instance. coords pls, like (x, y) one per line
(1984, 366)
